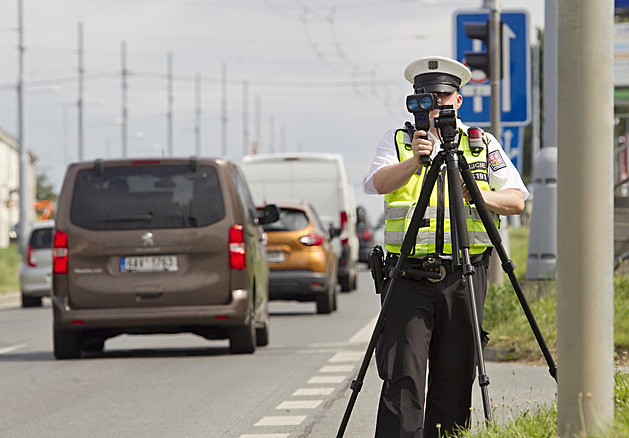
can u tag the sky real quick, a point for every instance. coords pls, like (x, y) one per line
(320, 76)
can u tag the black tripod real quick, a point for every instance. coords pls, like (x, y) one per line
(456, 165)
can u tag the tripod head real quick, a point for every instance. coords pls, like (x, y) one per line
(420, 105)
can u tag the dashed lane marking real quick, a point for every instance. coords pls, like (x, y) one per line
(11, 348)
(347, 356)
(337, 369)
(313, 391)
(299, 404)
(265, 435)
(315, 380)
(281, 420)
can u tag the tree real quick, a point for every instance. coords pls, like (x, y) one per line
(45, 189)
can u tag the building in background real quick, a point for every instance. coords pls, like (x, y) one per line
(9, 185)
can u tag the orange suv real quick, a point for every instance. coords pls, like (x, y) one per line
(302, 258)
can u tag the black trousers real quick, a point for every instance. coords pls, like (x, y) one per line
(428, 325)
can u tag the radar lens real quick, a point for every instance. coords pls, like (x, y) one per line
(426, 102)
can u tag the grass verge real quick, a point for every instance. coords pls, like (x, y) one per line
(9, 269)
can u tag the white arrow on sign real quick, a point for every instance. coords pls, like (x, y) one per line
(511, 152)
(507, 36)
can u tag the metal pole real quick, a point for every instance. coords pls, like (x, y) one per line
(495, 273)
(223, 110)
(24, 189)
(80, 100)
(197, 114)
(245, 117)
(585, 217)
(169, 114)
(124, 134)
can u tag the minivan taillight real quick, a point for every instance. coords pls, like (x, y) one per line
(30, 260)
(344, 231)
(60, 253)
(237, 248)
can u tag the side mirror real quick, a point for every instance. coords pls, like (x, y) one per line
(269, 215)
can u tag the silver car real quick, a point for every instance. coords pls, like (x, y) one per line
(36, 266)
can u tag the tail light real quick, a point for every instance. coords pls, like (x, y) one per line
(365, 235)
(60, 253)
(237, 248)
(312, 239)
(30, 260)
(344, 231)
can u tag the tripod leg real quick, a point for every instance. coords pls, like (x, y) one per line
(456, 202)
(507, 264)
(408, 245)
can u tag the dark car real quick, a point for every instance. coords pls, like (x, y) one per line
(158, 246)
(302, 259)
(365, 232)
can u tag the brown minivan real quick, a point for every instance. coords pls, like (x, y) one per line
(165, 245)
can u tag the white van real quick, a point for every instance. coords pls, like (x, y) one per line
(320, 179)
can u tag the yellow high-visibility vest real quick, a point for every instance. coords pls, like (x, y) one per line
(434, 236)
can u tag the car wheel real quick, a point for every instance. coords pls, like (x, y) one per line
(334, 297)
(28, 301)
(66, 344)
(262, 335)
(344, 282)
(325, 303)
(242, 340)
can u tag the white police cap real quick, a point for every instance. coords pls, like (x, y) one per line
(437, 74)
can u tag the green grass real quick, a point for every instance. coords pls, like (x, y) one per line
(542, 421)
(9, 269)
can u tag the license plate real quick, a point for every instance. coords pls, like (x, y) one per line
(275, 257)
(164, 263)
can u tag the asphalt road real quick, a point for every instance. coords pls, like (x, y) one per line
(183, 385)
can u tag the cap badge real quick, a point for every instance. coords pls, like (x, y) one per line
(433, 65)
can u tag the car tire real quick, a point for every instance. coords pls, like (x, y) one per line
(28, 301)
(66, 343)
(262, 334)
(325, 303)
(242, 340)
(344, 282)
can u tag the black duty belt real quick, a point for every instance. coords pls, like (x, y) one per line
(431, 267)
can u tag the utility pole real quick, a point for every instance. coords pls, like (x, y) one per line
(245, 117)
(124, 134)
(258, 122)
(585, 215)
(197, 114)
(169, 114)
(223, 110)
(24, 189)
(271, 134)
(81, 139)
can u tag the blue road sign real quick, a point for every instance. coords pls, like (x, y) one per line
(515, 86)
(512, 141)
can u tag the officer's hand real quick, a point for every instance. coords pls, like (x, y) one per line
(421, 146)
(466, 193)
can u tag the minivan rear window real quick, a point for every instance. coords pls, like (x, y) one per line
(146, 196)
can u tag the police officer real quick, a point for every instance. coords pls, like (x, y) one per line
(428, 328)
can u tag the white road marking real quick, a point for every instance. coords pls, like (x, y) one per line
(325, 379)
(313, 391)
(265, 435)
(336, 369)
(347, 356)
(283, 420)
(299, 404)
(364, 334)
(11, 348)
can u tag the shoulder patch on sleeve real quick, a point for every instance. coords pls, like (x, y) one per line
(495, 161)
